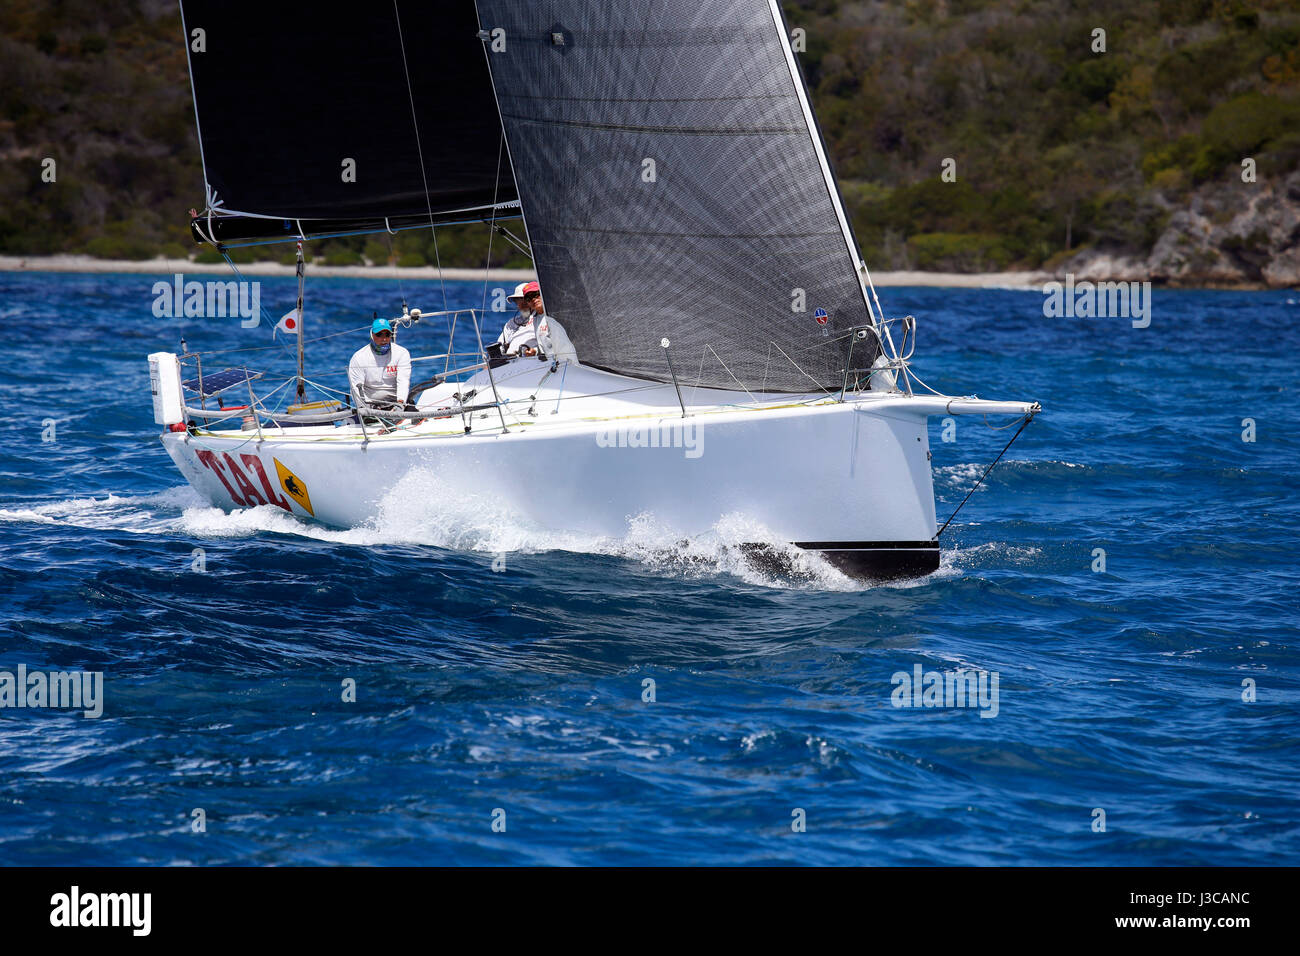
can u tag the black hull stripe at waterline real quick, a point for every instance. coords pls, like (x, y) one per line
(878, 560)
(865, 560)
(867, 545)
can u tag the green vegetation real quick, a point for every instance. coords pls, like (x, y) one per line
(101, 89)
(1056, 147)
(464, 246)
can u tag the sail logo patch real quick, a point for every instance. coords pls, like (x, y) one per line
(821, 316)
(294, 486)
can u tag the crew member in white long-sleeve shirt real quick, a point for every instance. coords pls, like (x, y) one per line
(551, 337)
(380, 372)
(532, 329)
(519, 337)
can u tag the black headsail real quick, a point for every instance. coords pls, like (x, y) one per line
(286, 93)
(674, 184)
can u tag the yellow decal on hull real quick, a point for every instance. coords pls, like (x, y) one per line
(294, 486)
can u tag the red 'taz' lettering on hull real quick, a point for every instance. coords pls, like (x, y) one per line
(210, 459)
(247, 496)
(255, 463)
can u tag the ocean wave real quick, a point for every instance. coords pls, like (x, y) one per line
(963, 475)
(137, 514)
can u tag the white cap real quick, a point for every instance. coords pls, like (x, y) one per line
(519, 292)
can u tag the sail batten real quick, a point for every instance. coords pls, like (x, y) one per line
(673, 130)
(673, 185)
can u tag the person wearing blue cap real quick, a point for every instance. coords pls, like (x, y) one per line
(380, 372)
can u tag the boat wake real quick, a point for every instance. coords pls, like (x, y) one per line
(134, 514)
(414, 515)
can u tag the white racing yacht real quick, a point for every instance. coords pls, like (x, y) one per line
(685, 226)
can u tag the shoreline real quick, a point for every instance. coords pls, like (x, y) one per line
(1029, 280)
(162, 266)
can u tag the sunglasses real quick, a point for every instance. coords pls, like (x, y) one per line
(382, 335)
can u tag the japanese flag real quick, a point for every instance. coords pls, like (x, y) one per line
(289, 324)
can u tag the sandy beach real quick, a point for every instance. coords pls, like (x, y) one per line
(161, 266)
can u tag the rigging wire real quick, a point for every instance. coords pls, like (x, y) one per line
(502, 404)
(515, 241)
(437, 258)
(1028, 418)
(240, 276)
(487, 266)
(419, 150)
(397, 273)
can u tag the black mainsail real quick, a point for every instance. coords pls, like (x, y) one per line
(285, 93)
(674, 184)
(674, 181)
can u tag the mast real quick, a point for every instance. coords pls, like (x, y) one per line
(301, 379)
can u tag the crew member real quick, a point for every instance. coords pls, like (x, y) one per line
(380, 372)
(519, 337)
(551, 336)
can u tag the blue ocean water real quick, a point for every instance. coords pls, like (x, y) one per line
(518, 695)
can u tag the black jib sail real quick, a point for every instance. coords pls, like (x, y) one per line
(306, 123)
(674, 185)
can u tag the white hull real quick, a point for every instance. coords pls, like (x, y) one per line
(851, 478)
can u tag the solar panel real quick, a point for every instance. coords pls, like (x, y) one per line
(217, 382)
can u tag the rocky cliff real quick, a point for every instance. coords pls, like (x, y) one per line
(1235, 235)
